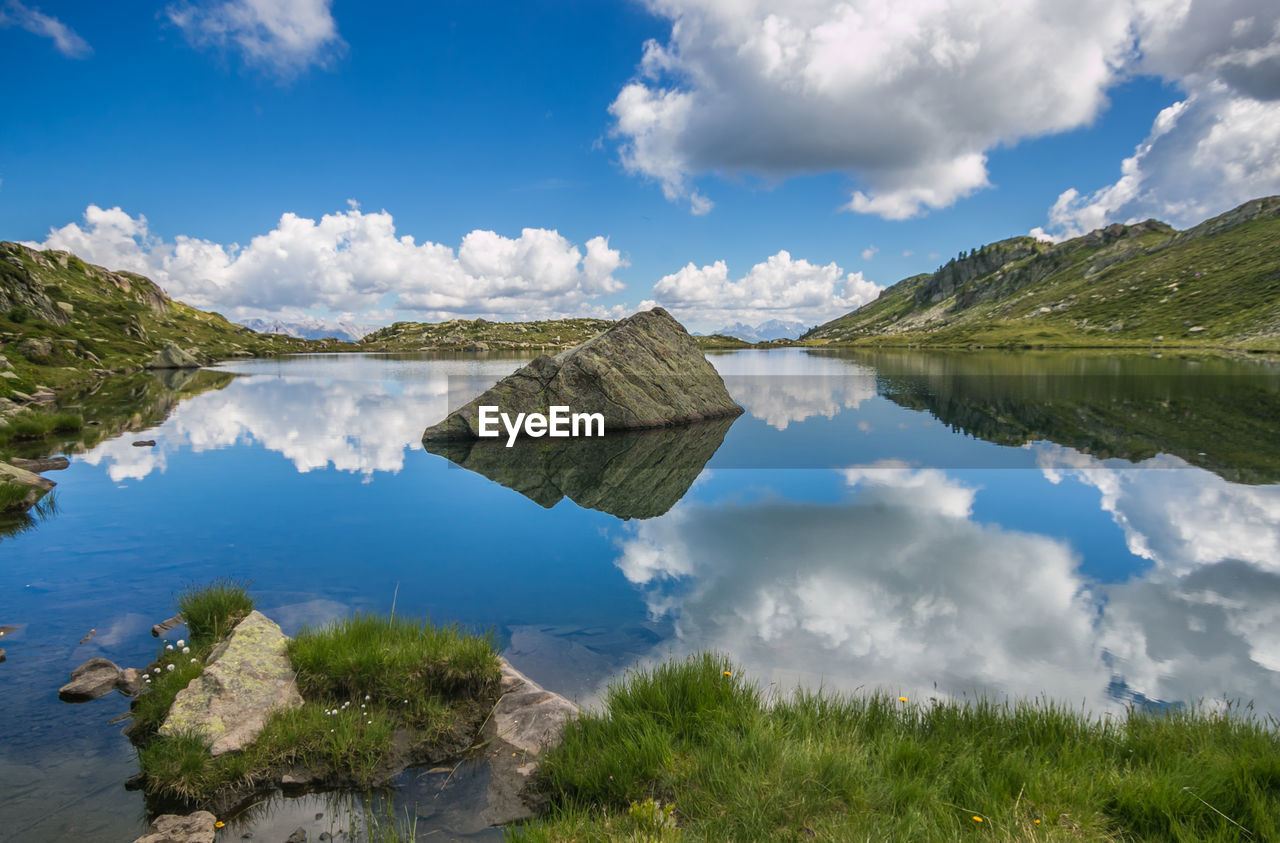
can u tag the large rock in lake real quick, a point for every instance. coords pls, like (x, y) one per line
(247, 677)
(645, 371)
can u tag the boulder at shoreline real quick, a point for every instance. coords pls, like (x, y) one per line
(644, 372)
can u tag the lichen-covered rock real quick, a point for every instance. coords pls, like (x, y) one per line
(526, 721)
(174, 828)
(645, 371)
(35, 485)
(173, 357)
(95, 678)
(247, 677)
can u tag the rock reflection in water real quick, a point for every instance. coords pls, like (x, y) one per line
(637, 474)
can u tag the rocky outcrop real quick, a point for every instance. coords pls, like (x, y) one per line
(173, 357)
(199, 827)
(95, 678)
(644, 372)
(526, 721)
(247, 677)
(633, 474)
(35, 486)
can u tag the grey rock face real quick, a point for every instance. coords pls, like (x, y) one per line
(173, 357)
(644, 372)
(175, 828)
(527, 719)
(248, 677)
(93, 679)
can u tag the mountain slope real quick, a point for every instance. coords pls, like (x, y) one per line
(64, 321)
(482, 335)
(1217, 284)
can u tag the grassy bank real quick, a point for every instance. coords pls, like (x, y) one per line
(690, 750)
(379, 692)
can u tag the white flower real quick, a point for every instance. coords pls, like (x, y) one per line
(193, 661)
(169, 666)
(184, 649)
(366, 697)
(168, 646)
(157, 671)
(181, 642)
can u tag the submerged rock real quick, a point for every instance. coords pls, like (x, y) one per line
(174, 828)
(40, 464)
(527, 720)
(173, 357)
(247, 677)
(634, 474)
(645, 371)
(95, 678)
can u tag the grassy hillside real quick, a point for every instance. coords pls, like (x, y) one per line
(64, 321)
(482, 335)
(1215, 285)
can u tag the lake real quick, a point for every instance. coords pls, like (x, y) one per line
(1103, 530)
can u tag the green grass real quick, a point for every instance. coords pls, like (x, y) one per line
(210, 611)
(13, 496)
(31, 424)
(391, 659)
(364, 680)
(736, 765)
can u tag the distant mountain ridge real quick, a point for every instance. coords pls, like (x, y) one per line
(1216, 284)
(774, 329)
(310, 328)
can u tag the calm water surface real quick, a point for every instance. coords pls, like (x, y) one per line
(1103, 530)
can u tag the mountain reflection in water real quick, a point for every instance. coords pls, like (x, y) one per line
(630, 474)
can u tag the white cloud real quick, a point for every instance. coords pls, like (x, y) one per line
(794, 387)
(910, 97)
(1205, 155)
(1215, 148)
(350, 415)
(779, 288)
(895, 587)
(65, 39)
(352, 262)
(281, 36)
(869, 253)
(899, 587)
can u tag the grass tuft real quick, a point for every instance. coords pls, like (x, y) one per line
(212, 610)
(738, 766)
(30, 424)
(392, 658)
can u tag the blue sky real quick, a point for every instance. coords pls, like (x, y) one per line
(838, 150)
